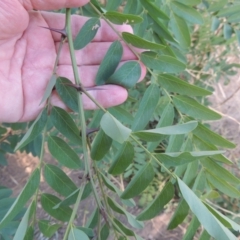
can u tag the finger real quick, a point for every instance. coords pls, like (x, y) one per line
(88, 74)
(92, 54)
(53, 4)
(104, 34)
(108, 96)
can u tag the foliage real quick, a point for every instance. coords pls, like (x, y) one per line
(157, 142)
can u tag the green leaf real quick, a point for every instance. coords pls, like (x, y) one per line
(27, 192)
(48, 229)
(122, 159)
(100, 146)
(58, 180)
(109, 63)
(218, 170)
(223, 219)
(5, 192)
(179, 215)
(205, 236)
(153, 10)
(88, 231)
(186, 12)
(161, 30)
(114, 129)
(194, 109)
(209, 222)
(217, 5)
(35, 129)
(211, 137)
(65, 125)
(131, 219)
(122, 228)
(162, 63)
(86, 33)
(63, 153)
(167, 117)
(204, 146)
(112, 187)
(180, 31)
(155, 134)
(146, 108)
(71, 199)
(157, 205)
(122, 18)
(235, 18)
(179, 158)
(215, 24)
(22, 228)
(29, 233)
(177, 85)
(104, 232)
(75, 234)
(220, 183)
(139, 42)
(139, 182)
(192, 229)
(62, 213)
(121, 113)
(127, 75)
(229, 11)
(67, 93)
(238, 36)
(3, 159)
(49, 88)
(93, 219)
(113, 5)
(190, 2)
(227, 31)
(2, 131)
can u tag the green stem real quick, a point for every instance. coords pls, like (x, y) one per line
(93, 100)
(58, 55)
(81, 119)
(79, 197)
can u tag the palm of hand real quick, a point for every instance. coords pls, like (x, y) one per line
(30, 53)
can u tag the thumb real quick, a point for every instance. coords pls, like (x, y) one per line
(53, 4)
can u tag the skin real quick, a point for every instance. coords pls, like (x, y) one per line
(28, 53)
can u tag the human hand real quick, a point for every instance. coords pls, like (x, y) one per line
(28, 52)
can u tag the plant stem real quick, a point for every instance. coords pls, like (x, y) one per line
(74, 211)
(82, 122)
